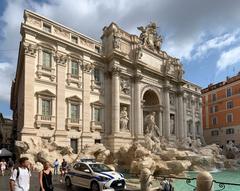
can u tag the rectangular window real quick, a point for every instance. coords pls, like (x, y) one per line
(74, 39)
(214, 97)
(229, 118)
(229, 92)
(74, 145)
(74, 69)
(74, 113)
(97, 114)
(46, 107)
(230, 131)
(46, 59)
(97, 76)
(214, 120)
(97, 49)
(229, 104)
(47, 28)
(215, 133)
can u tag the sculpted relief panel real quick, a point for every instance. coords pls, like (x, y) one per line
(125, 86)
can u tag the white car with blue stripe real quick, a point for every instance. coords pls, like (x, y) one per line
(94, 176)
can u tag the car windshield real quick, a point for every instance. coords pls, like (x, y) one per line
(100, 168)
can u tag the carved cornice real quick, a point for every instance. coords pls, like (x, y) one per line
(30, 49)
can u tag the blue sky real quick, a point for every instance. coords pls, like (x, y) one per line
(204, 34)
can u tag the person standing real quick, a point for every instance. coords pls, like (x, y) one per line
(20, 177)
(56, 165)
(10, 165)
(45, 178)
(63, 169)
(3, 166)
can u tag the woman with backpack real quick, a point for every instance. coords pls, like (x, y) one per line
(45, 178)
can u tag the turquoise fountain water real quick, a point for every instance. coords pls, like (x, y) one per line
(220, 176)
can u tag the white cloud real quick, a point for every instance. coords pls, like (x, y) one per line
(6, 71)
(217, 42)
(229, 58)
(183, 23)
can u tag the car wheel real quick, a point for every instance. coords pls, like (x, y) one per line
(95, 186)
(68, 182)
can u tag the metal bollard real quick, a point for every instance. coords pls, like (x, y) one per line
(204, 181)
(146, 180)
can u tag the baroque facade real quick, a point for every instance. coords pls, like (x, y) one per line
(75, 90)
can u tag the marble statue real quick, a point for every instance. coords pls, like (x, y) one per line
(152, 129)
(149, 37)
(124, 119)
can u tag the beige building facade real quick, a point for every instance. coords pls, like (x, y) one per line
(77, 91)
(6, 132)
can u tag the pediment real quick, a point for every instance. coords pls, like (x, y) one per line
(46, 93)
(74, 98)
(97, 103)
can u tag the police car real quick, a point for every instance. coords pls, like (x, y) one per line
(95, 176)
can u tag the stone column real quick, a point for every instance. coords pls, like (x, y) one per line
(185, 126)
(115, 99)
(138, 129)
(60, 134)
(201, 123)
(160, 124)
(180, 115)
(30, 51)
(193, 117)
(166, 128)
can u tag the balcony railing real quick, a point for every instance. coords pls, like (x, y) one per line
(45, 119)
(74, 120)
(73, 123)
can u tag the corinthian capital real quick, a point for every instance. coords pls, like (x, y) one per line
(61, 59)
(87, 67)
(30, 49)
(116, 70)
(137, 77)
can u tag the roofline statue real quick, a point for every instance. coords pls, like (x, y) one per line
(150, 38)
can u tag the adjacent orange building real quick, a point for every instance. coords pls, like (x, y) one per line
(221, 111)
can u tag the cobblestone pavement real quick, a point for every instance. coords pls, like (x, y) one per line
(58, 186)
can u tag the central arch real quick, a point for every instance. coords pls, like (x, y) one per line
(151, 103)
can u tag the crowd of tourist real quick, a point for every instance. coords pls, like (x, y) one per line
(20, 174)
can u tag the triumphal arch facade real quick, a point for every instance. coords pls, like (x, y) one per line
(77, 91)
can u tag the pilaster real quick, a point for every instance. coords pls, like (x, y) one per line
(30, 51)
